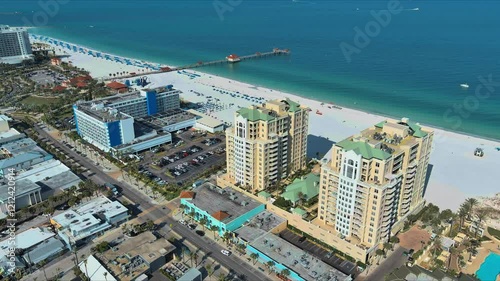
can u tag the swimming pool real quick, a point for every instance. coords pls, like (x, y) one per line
(490, 268)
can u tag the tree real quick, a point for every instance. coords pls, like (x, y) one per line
(270, 265)
(226, 237)
(394, 239)
(241, 247)
(387, 247)
(42, 265)
(210, 270)
(462, 214)
(285, 273)
(203, 222)
(222, 277)
(472, 203)
(379, 254)
(214, 229)
(481, 214)
(254, 257)
(192, 213)
(437, 245)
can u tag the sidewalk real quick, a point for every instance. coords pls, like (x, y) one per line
(113, 171)
(176, 214)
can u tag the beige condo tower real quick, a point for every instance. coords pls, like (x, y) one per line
(266, 143)
(374, 180)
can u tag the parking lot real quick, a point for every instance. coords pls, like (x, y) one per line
(326, 256)
(46, 77)
(185, 159)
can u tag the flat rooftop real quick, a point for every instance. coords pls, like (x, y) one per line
(110, 100)
(27, 239)
(23, 187)
(98, 206)
(102, 113)
(307, 266)
(169, 117)
(126, 260)
(261, 224)
(212, 199)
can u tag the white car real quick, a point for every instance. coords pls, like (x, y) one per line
(225, 252)
(183, 222)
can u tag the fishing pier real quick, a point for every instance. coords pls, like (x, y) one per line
(228, 60)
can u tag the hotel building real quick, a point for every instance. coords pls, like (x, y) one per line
(374, 180)
(267, 143)
(15, 45)
(132, 122)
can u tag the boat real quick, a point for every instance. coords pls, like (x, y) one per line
(415, 9)
(464, 85)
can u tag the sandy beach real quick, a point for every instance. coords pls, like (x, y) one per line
(455, 173)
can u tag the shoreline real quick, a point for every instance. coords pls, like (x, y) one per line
(455, 171)
(385, 115)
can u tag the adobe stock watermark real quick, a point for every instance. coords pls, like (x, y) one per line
(11, 221)
(470, 103)
(223, 6)
(49, 9)
(363, 37)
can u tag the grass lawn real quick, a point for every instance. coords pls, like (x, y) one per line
(494, 232)
(39, 100)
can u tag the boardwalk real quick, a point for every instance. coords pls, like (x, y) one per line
(274, 52)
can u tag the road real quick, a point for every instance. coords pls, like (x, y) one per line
(155, 213)
(395, 260)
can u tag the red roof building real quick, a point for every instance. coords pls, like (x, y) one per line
(233, 58)
(81, 84)
(220, 215)
(166, 69)
(187, 194)
(58, 88)
(117, 86)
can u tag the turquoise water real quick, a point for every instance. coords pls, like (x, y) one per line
(412, 68)
(490, 268)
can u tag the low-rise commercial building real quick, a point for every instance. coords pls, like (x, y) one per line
(225, 208)
(36, 174)
(135, 256)
(88, 220)
(302, 266)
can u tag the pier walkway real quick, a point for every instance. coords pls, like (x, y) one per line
(228, 60)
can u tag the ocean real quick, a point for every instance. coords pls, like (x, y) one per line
(411, 64)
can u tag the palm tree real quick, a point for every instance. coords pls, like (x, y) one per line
(387, 246)
(254, 257)
(270, 265)
(222, 277)
(462, 214)
(481, 215)
(203, 222)
(379, 253)
(210, 270)
(285, 273)
(437, 245)
(226, 237)
(472, 203)
(241, 247)
(214, 229)
(301, 197)
(196, 256)
(192, 213)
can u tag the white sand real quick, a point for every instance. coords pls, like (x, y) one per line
(456, 173)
